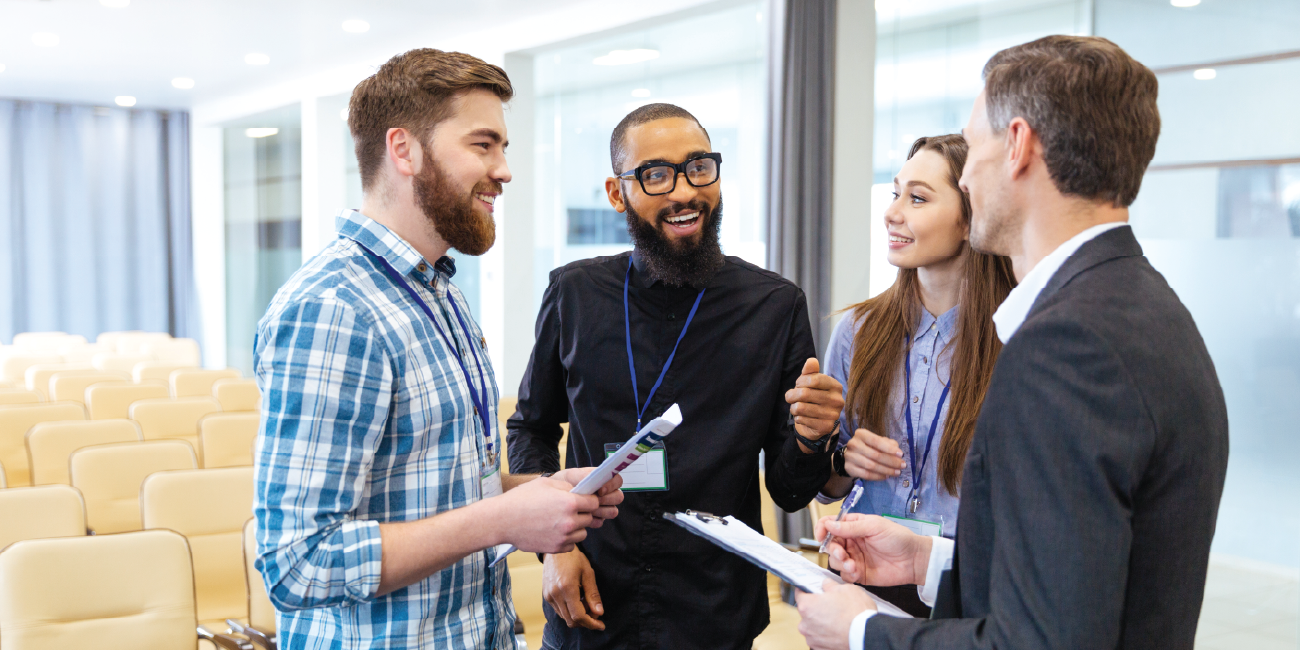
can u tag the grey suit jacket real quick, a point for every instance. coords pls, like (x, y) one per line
(1090, 492)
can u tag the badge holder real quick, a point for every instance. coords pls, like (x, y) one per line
(649, 473)
(922, 523)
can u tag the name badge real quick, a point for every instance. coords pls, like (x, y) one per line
(922, 524)
(649, 473)
(490, 479)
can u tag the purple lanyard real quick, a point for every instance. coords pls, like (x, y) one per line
(479, 400)
(918, 472)
(631, 366)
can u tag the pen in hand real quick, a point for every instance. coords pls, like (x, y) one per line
(849, 502)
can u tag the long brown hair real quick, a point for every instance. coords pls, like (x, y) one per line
(889, 318)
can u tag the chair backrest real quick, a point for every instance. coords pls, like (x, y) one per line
(239, 394)
(179, 351)
(38, 376)
(19, 397)
(226, 439)
(3, 481)
(37, 512)
(261, 613)
(71, 385)
(113, 401)
(50, 445)
(109, 339)
(81, 354)
(118, 362)
(112, 591)
(209, 507)
(45, 340)
(16, 421)
(167, 418)
(156, 370)
(134, 342)
(110, 476)
(198, 382)
(13, 367)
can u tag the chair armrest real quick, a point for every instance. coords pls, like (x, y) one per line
(223, 641)
(260, 638)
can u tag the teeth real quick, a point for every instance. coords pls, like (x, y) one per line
(685, 217)
(900, 239)
(486, 198)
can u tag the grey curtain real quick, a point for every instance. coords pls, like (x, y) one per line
(802, 82)
(94, 220)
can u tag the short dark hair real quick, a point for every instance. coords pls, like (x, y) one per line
(414, 90)
(643, 115)
(1091, 104)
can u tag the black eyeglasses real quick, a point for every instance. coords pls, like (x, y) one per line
(661, 177)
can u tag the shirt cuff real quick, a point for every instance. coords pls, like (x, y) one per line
(858, 630)
(940, 560)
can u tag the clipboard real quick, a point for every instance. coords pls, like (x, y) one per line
(733, 535)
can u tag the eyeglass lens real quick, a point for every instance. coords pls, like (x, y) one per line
(662, 179)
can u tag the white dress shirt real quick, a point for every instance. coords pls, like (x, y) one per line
(1008, 318)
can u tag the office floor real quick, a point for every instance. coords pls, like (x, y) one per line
(1248, 605)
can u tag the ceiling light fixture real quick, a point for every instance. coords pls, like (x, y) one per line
(261, 132)
(1205, 74)
(115, 4)
(45, 39)
(256, 58)
(641, 92)
(184, 83)
(1183, 4)
(356, 26)
(625, 57)
(125, 101)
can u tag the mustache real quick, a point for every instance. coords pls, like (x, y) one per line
(697, 205)
(487, 187)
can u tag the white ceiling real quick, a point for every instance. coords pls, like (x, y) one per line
(139, 49)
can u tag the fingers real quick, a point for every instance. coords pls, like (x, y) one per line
(859, 527)
(592, 595)
(829, 396)
(811, 366)
(578, 612)
(599, 516)
(610, 487)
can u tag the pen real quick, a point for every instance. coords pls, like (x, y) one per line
(849, 502)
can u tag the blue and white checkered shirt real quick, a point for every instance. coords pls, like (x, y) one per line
(367, 418)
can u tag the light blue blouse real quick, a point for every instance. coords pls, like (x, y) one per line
(931, 358)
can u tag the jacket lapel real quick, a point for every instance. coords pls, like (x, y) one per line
(1112, 244)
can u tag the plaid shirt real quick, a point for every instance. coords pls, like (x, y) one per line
(367, 418)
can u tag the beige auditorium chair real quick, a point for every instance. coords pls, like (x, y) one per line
(156, 370)
(3, 481)
(115, 362)
(109, 401)
(40, 512)
(16, 421)
(110, 476)
(261, 613)
(179, 351)
(134, 342)
(167, 418)
(37, 377)
(82, 354)
(45, 341)
(198, 382)
(19, 397)
(226, 439)
(13, 367)
(134, 590)
(71, 385)
(526, 590)
(237, 394)
(209, 507)
(50, 445)
(109, 339)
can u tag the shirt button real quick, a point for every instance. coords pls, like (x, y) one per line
(672, 316)
(915, 399)
(924, 360)
(907, 483)
(421, 268)
(649, 569)
(932, 325)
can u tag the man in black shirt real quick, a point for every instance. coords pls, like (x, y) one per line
(675, 321)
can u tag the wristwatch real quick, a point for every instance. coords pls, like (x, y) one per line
(837, 463)
(819, 445)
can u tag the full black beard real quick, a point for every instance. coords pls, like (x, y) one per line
(682, 263)
(451, 214)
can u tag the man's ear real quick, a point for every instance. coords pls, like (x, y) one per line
(404, 151)
(614, 191)
(1023, 147)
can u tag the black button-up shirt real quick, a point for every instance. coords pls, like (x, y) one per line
(661, 586)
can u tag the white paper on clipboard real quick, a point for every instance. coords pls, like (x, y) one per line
(768, 555)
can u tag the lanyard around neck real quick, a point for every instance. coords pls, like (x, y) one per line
(631, 365)
(919, 470)
(479, 396)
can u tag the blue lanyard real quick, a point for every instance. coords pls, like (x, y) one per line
(919, 471)
(478, 398)
(631, 366)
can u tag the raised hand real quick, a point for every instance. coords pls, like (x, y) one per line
(816, 401)
(872, 550)
(873, 458)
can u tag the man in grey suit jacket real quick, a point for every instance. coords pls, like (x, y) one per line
(1090, 492)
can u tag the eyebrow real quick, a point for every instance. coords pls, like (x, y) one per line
(491, 134)
(922, 184)
(690, 156)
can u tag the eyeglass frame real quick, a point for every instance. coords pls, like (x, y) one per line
(678, 169)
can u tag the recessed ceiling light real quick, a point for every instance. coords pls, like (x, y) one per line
(356, 26)
(261, 132)
(256, 58)
(1205, 74)
(641, 92)
(624, 57)
(45, 39)
(184, 83)
(1184, 3)
(115, 4)
(125, 101)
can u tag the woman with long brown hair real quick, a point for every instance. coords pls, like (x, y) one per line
(915, 360)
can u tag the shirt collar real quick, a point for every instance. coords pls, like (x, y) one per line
(1012, 312)
(946, 323)
(385, 243)
(641, 278)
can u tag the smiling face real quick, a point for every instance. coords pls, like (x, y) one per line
(924, 220)
(682, 215)
(995, 223)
